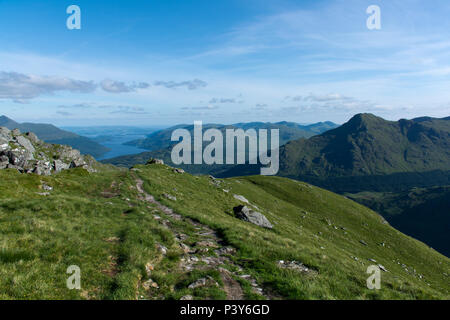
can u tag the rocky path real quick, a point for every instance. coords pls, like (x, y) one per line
(207, 253)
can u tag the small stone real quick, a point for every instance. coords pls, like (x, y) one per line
(162, 249)
(240, 198)
(150, 284)
(187, 297)
(199, 283)
(185, 248)
(46, 187)
(382, 268)
(170, 197)
(149, 268)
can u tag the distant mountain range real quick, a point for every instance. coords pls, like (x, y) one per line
(51, 134)
(368, 153)
(160, 144)
(288, 131)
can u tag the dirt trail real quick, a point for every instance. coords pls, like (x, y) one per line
(197, 258)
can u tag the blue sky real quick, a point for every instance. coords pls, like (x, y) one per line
(167, 62)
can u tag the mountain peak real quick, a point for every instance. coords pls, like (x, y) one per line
(364, 117)
(7, 122)
(5, 118)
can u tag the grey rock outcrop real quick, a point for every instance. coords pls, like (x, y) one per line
(27, 154)
(246, 214)
(24, 142)
(155, 161)
(4, 132)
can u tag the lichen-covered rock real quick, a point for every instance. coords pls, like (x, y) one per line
(24, 142)
(58, 166)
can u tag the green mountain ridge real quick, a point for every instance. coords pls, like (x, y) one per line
(369, 145)
(52, 134)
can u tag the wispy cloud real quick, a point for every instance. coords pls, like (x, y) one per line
(64, 113)
(128, 110)
(190, 84)
(120, 87)
(208, 107)
(225, 100)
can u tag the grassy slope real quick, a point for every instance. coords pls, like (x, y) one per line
(420, 212)
(88, 221)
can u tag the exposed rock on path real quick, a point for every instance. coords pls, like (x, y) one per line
(207, 254)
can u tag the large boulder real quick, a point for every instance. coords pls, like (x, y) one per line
(155, 161)
(17, 157)
(43, 168)
(5, 133)
(58, 165)
(24, 142)
(68, 153)
(246, 214)
(33, 138)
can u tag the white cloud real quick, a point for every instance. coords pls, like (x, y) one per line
(21, 87)
(190, 84)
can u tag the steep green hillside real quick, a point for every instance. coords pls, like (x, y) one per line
(130, 245)
(51, 134)
(368, 145)
(420, 212)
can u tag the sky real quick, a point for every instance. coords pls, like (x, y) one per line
(154, 62)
